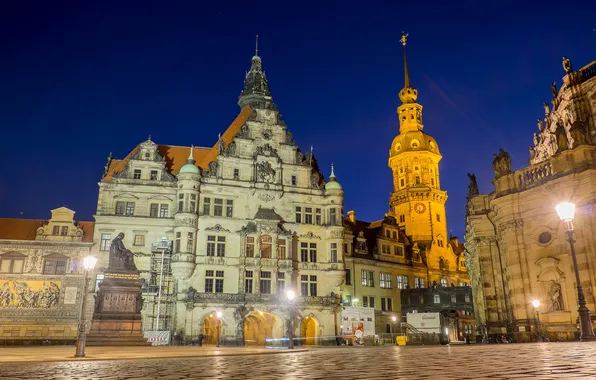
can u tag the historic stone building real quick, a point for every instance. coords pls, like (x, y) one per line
(42, 277)
(409, 247)
(249, 219)
(516, 247)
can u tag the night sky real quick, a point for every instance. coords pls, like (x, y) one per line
(79, 81)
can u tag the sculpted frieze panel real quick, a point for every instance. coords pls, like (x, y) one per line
(186, 222)
(512, 225)
(217, 228)
(309, 235)
(29, 294)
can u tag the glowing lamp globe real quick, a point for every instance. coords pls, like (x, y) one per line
(290, 294)
(536, 303)
(394, 318)
(89, 262)
(566, 211)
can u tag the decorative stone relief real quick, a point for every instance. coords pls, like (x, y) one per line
(266, 150)
(217, 228)
(309, 235)
(213, 165)
(265, 171)
(266, 197)
(337, 234)
(186, 222)
(515, 224)
(29, 294)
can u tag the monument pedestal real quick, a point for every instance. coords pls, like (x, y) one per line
(117, 315)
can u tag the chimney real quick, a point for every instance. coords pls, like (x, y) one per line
(352, 216)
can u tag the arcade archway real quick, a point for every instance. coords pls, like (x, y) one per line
(309, 331)
(260, 326)
(209, 330)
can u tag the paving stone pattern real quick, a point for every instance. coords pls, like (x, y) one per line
(504, 361)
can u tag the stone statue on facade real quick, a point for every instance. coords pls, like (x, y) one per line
(315, 179)
(213, 165)
(553, 89)
(221, 146)
(535, 139)
(190, 294)
(473, 187)
(540, 125)
(556, 296)
(231, 151)
(562, 140)
(546, 109)
(532, 152)
(567, 65)
(243, 132)
(578, 133)
(501, 163)
(265, 171)
(120, 256)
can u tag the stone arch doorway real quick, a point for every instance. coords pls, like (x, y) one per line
(209, 329)
(309, 330)
(260, 326)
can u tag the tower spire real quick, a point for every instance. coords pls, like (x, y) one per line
(403, 40)
(257, 46)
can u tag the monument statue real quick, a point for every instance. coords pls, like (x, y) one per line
(556, 296)
(562, 140)
(567, 65)
(473, 187)
(120, 256)
(501, 163)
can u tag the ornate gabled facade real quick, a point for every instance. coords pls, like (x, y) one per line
(410, 246)
(516, 249)
(249, 218)
(42, 277)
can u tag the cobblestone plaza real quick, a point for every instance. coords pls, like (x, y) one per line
(503, 361)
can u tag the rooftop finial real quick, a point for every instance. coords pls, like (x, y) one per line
(403, 40)
(332, 176)
(190, 156)
(257, 46)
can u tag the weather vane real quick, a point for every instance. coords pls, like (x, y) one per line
(404, 37)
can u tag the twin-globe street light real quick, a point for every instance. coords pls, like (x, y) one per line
(291, 295)
(566, 211)
(89, 264)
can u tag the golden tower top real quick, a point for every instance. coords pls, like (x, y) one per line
(408, 94)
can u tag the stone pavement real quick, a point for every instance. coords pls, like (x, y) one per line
(503, 361)
(66, 353)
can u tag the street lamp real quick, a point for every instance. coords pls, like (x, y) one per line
(536, 305)
(291, 295)
(354, 301)
(89, 264)
(566, 211)
(218, 314)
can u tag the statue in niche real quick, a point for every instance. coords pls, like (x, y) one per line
(315, 179)
(546, 109)
(231, 149)
(213, 165)
(567, 65)
(222, 146)
(536, 139)
(578, 133)
(120, 256)
(501, 163)
(243, 132)
(190, 294)
(473, 187)
(556, 296)
(540, 125)
(553, 89)
(299, 157)
(562, 141)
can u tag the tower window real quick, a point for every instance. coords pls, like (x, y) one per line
(402, 218)
(137, 174)
(293, 180)
(236, 173)
(432, 181)
(417, 180)
(438, 218)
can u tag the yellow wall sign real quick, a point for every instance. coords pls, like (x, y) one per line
(29, 294)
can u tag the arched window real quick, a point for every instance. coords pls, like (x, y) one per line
(12, 262)
(265, 247)
(437, 298)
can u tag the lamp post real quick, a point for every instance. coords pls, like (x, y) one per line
(291, 295)
(566, 211)
(218, 314)
(89, 264)
(536, 305)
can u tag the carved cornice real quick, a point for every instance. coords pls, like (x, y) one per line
(217, 228)
(309, 235)
(512, 225)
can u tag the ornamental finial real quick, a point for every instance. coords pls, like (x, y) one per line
(404, 37)
(257, 46)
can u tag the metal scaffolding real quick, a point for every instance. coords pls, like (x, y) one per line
(160, 292)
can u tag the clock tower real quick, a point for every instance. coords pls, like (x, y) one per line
(417, 201)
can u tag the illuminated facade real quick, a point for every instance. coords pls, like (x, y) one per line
(516, 246)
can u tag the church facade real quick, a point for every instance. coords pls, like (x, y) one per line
(237, 225)
(516, 247)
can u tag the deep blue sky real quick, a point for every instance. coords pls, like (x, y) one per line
(78, 81)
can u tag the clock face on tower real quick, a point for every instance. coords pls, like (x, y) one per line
(419, 208)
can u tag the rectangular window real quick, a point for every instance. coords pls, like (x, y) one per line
(219, 281)
(248, 281)
(386, 304)
(209, 281)
(206, 206)
(105, 242)
(64, 231)
(402, 218)
(250, 246)
(193, 203)
(153, 210)
(333, 253)
(120, 208)
(265, 283)
(453, 298)
(54, 266)
(298, 214)
(236, 174)
(177, 242)
(313, 286)
(333, 216)
(348, 300)
(221, 246)
(382, 280)
(229, 208)
(308, 215)
(210, 245)
(137, 174)
(56, 231)
(365, 301)
(163, 211)
(318, 216)
(281, 282)
(181, 206)
(313, 253)
(304, 252)
(139, 240)
(281, 249)
(419, 282)
(368, 301)
(11, 263)
(368, 278)
(304, 285)
(308, 285)
(440, 243)
(154, 174)
(293, 180)
(190, 243)
(438, 218)
(444, 282)
(348, 277)
(130, 208)
(218, 207)
(401, 182)
(398, 250)
(402, 281)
